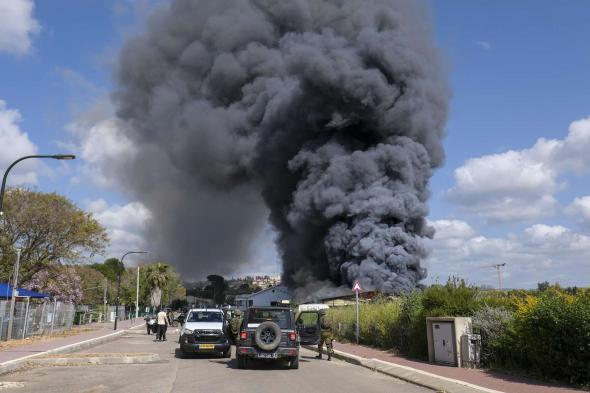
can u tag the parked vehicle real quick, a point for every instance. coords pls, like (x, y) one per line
(150, 324)
(268, 333)
(202, 332)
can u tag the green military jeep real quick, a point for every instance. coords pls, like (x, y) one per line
(268, 333)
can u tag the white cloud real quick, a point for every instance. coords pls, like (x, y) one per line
(15, 143)
(125, 225)
(520, 184)
(450, 229)
(17, 26)
(580, 208)
(484, 45)
(540, 253)
(545, 233)
(101, 142)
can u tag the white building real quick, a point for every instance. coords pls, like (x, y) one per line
(267, 297)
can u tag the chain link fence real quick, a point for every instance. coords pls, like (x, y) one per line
(34, 318)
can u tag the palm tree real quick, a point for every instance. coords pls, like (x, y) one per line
(157, 279)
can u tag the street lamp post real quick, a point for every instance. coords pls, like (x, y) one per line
(54, 156)
(119, 284)
(2, 190)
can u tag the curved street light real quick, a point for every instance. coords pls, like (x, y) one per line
(15, 284)
(119, 284)
(53, 156)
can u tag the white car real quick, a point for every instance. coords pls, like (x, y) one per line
(202, 332)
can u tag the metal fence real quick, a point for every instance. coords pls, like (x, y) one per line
(86, 314)
(33, 318)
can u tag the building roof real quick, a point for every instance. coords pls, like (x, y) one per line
(281, 288)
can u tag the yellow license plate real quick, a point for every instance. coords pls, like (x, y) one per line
(206, 346)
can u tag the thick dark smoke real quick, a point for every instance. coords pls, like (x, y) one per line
(326, 113)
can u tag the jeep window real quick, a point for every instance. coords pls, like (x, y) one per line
(308, 319)
(204, 316)
(280, 317)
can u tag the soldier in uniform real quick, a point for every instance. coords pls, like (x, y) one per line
(235, 323)
(325, 335)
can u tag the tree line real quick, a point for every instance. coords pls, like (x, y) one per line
(54, 235)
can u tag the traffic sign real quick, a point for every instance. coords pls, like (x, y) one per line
(356, 287)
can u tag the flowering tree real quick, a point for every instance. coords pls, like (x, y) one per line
(58, 281)
(49, 229)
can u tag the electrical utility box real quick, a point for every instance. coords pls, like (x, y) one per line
(470, 350)
(444, 339)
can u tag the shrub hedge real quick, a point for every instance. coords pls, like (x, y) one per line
(545, 333)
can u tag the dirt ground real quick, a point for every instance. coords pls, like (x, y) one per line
(4, 345)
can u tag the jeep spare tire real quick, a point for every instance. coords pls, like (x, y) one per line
(268, 336)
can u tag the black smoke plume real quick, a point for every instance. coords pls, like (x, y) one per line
(324, 116)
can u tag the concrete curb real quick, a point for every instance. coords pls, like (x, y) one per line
(411, 375)
(80, 360)
(16, 364)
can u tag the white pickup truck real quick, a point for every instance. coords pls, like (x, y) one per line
(202, 332)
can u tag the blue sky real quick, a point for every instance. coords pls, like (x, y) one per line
(519, 71)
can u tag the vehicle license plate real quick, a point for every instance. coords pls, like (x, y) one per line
(265, 355)
(206, 346)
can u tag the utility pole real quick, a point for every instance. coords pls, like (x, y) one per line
(137, 295)
(14, 294)
(104, 298)
(499, 271)
(498, 267)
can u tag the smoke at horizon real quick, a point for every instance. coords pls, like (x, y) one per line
(322, 117)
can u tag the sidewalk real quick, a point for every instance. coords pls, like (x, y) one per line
(102, 330)
(486, 379)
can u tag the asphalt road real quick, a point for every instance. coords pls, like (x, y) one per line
(202, 374)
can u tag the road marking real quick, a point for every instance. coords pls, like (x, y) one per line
(64, 347)
(11, 385)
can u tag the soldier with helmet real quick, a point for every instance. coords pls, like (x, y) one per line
(235, 324)
(325, 335)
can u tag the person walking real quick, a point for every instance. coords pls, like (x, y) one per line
(325, 335)
(163, 322)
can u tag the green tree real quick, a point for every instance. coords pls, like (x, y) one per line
(93, 283)
(49, 229)
(110, 268)
(157, 280)
(217, 288)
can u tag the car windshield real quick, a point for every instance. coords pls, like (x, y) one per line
(204, 316)
(281, 317)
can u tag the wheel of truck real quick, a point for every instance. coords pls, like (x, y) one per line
(268, 336)
(241, 361)
(294, 363)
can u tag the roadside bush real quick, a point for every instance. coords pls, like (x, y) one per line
(493, 324)
(378, 321)
(545, 333)
(411, 331)
(554, 333)
(455, 298)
